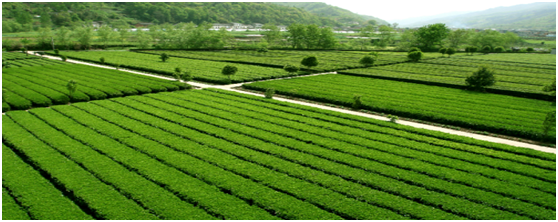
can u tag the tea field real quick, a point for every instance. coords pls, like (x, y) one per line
(214, 154)
(201, 70)
(517, 73)
(42, 82)
(501, 114)
(328, 60)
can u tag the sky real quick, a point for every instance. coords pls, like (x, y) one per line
(391, 10)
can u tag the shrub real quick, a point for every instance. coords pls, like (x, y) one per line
(549, 122)
(530, 49)
(499, 49)
(414, 49)
(63, 57)
(164, 57)
(415, 56)
(71, 86)
(481, 78)
(357, 102)
(102, 59)
(443, 51)
(117, 65)
(393, 118)
(473, 49)
(263, 49)
(309, 61)
(367, 61)
(486, 49)
(269, 93)
(229, 70)
(291, 68)
(57, 52)
(450, 51)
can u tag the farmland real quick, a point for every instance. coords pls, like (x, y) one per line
(514, 73)
(480, 111)
(213, 154)
(43, 83)
(329, 60)
(205, 71)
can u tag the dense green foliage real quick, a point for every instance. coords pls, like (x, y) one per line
(486, 112)
(338, 14)
(206, 71)
(514, 72)
(481, 78)
(302, 36)
(40, 86)
(19, 16)
(255, 158)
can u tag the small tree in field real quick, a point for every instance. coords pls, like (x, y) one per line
(357, 102)
(57, 52)
(473, 49)
(269, 93)
(63, 57)
(443, 51)
(549, 122)
(177, 74)
(164, 57)
(291, 69)
(486, 49)
(499, 49)
(483, 77)
(229, 70)
(530, 49)
(450, 51)
(309, 61)
(71, 86)
(102, 59)
(367, 61)
(415, 56)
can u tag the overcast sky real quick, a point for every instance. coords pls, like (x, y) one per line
(390, 10)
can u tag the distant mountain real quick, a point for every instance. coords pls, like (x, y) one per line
(541, 15)
(70, 13)
(332, 12)
(407, 21)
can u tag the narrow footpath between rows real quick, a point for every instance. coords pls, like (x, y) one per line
(402, 122)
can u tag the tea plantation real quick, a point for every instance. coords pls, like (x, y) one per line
(214, 154)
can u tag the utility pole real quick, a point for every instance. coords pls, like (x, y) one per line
(52, 41)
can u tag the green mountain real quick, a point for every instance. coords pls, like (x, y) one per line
(332, 12)
(541, 15)
(69, 13)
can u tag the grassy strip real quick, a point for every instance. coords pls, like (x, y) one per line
(391, 161)
(239, 185)
(102, 200)
(451, 204)
(10, 209)
(36, 194)
(385, 142)
(55, 96)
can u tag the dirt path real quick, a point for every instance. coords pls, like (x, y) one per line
(402, 122)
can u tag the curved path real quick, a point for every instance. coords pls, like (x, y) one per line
(402, 122)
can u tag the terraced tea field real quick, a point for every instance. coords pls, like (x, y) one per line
(44, 84)
(529, 76)
(480, 111)
(329, 60)
(213, 154)
(205, 71)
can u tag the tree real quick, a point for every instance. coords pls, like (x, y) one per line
(551, 88)
(84, 36)
(105, 34)
(471, 49)
(481, 78)
(549, 122)
(530, 49)
(415, 56)
(102, 60)
(450, 51)
(177, 74)
(62, 37)
(291, 68)
(486, 49)
(297, 33)
(25, 42)
(143, 39)
(386, 36)
(269, 93)
(443, 51)
(429, 36)
(164, 57)
(357, 102)
(367, 61)
(63, 57)
(458, 37)
(309, 61)
(71, 86)
(271, 33)
(229, 70)
(365, 34)
(46, 21)
(124, 33)
(494, 38)
(326, 39)
(312, 36)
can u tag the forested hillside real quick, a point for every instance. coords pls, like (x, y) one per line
(332, 12)
(17, 16)
(540, 15)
